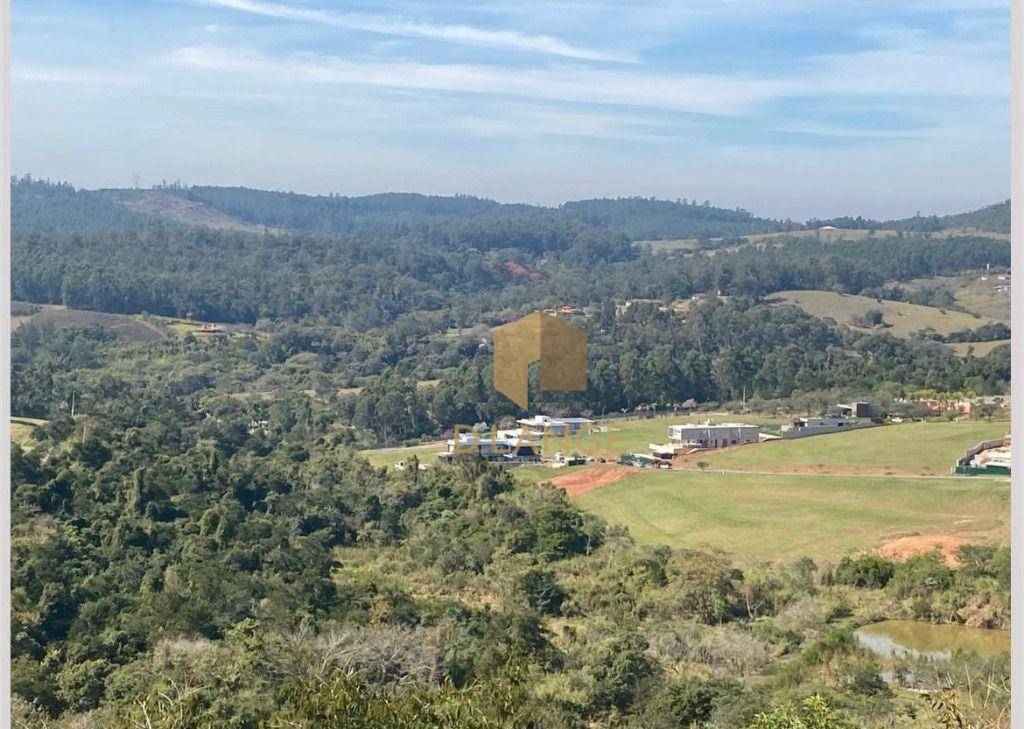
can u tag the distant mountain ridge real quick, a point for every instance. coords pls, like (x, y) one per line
(40, 206)
(995, 218)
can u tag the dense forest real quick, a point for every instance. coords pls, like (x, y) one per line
(197, 541)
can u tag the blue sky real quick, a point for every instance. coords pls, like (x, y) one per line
(788, 109)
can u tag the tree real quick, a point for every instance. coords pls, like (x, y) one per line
(811, 713)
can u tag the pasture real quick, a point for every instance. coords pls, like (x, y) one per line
(980, 349)
(126, 328)
(901, 319)
(978, 292)
(778, 517)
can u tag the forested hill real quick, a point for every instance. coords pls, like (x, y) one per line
(991, 217)
(42, 206)
(386, 212)
(995, 218)
(38, 206)
(647, 218)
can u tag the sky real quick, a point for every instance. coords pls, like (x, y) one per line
(787, 108)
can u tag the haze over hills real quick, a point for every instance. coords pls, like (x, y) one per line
(39, 206)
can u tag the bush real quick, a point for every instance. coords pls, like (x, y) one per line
(870, 571)
(920, 576)
(619, 667)
(812, 713)
(541, 591)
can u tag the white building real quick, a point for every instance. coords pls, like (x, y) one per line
(504, 450)
(541, 425)
(804, 427)
(714, 435)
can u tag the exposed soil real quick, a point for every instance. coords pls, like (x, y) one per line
(518, 270)
(579, 481)
(900, 549)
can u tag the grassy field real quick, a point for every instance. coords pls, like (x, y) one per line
(980, 348)
(21, 430)
(127, 328)
(780, 517)
(902, 318)
(925, 449)
(390, 456)
(674, 244)
(974, 294)
(631, 436)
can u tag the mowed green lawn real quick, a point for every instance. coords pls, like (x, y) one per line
(390, 456)
(781, 517)
(634, 436)
(926, 448)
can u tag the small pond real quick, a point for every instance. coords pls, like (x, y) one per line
(925, 640)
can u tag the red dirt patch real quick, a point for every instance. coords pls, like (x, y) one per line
(518, 270)
(900, 549)
(581, 480)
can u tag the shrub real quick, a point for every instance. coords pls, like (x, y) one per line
(870, 570)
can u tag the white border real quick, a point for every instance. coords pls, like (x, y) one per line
(1017, 369)
(1017, 312)
(5, 359)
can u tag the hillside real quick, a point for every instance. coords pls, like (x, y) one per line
(164, 205)
(992, 218)
(899, 318)
(647, 218)
(38, 205)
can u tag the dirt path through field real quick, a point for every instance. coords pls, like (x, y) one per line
(581, 480)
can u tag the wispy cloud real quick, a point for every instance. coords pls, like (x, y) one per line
(464, 34)
(709, 94)
(919, 72)
(73, 75)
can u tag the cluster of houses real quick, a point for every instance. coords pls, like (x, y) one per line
(957, 405)
(516, 446)
(523, 444)
(690, 438)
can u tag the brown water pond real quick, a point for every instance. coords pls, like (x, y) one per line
(927, 640)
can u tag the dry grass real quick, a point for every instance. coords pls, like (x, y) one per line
(902, 318)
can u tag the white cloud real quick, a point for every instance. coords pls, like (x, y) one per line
(921, 72)
(75, 76)
(691, 93)
(464, 34)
